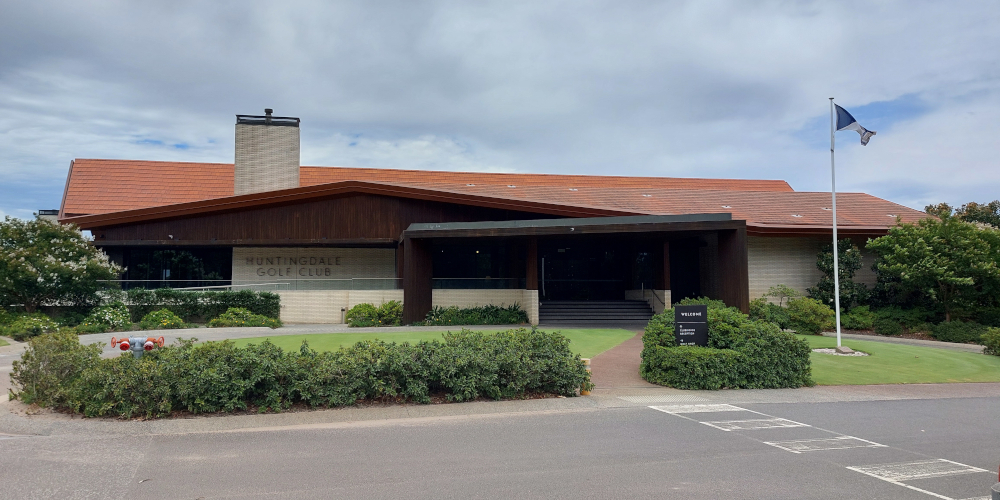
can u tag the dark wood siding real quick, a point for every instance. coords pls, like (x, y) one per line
(355, 218)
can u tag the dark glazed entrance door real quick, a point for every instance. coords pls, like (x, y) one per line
(581, 270)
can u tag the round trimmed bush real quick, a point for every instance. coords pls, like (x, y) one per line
(164, 319)
(991, 339)
(809, 316)
(887, 326)
(110, 318)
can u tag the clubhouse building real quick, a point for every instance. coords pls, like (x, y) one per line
(327, 238)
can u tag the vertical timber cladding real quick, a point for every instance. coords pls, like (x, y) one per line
(298, 266)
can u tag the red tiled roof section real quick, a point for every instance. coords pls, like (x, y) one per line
(311, 176)
(104, 186)
(778, 208)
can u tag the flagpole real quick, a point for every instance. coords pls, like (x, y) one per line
(833, 191)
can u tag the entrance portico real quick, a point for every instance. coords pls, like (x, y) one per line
(583, 259)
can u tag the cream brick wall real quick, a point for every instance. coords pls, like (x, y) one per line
(527, 299)
(781, 260)
(313, 306)
(267, 158)
(311, 268)
(324, 306)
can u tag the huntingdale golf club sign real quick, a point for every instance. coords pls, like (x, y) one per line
(294, 266)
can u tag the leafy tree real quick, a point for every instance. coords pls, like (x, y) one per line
(955, 264)
(849, 261)
(988, 213)
(781, 292)
(985, 213)
(44, 262)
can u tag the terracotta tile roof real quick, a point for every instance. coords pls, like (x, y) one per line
(103, 186)
(311, 176)
(106, 186)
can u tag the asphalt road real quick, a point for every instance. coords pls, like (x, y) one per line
(567, 450)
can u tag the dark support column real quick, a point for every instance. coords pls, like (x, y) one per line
(399, 260)
(417, 274)
(531, 265)
(734, 273)
(666, 266)
(661, 267)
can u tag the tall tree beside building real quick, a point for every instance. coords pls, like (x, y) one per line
(953, 263)
(42, 262)
(849, 261)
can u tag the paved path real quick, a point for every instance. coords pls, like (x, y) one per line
(618, 367)
(917, 342)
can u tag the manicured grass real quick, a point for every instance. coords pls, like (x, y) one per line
(589, 342)
(3, 342)
(898, 364)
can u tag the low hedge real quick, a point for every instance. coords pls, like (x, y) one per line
(741, 353)
(386, 314)
(193, 306)
(479, 315)
(239, 317)
(57, 371)
(110, 318)
(962, 332)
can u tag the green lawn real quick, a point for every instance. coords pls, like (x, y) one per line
(898, 364)
(588, 342)
(3, 342)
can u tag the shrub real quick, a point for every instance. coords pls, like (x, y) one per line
(110, 318)
(49, 370)
(163, 319)
(761, 309)
(991, 339)
(809, 316)
(479, 315)
(859, 318)
(192, 306)
(237, 316)
(958, 331)
(741, 353)
(387, 314)
(26, 326)
(887, 326)
(221, 377)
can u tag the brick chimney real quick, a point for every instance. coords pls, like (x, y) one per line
(267, 153)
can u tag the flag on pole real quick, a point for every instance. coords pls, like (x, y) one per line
(847, 122)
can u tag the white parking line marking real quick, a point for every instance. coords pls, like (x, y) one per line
(749, 425)
(921, 469)
(835, 443)
(898, 472)
(709, 408)
(665, 398)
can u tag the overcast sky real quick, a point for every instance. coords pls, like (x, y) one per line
(698, 89)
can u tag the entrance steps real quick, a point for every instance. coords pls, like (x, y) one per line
(593, 312)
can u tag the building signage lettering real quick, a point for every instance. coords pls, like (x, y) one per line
(294, 267)
(691, 325)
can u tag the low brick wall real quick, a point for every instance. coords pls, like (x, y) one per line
(527, 299)
(325, 306)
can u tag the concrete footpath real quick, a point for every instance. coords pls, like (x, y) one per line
(915, 342)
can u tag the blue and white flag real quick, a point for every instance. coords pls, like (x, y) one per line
(847, 122)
